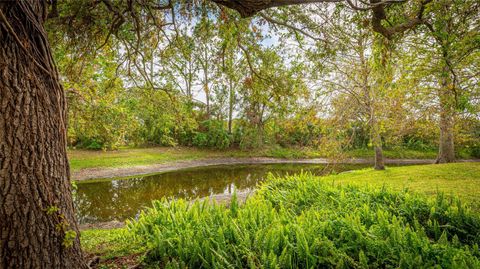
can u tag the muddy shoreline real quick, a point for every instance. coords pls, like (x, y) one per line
(102, 173)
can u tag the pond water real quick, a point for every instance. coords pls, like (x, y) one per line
(120, 199)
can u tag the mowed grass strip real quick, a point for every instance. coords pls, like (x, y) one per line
(128, 157)
(458, 179)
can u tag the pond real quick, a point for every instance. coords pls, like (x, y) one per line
(120, 199)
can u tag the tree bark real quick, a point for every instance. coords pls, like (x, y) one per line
(376, 137)
(376, 140)
(247, 8)
(446, 149)
(38, 227)
(206, 82)
(446, 93)
(383, 78)
(231, 100)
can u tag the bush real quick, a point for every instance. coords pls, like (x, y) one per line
(200, 140)
(250, 138)
(90, 143)
(159, 134)
(213, 135)
(94, 145)
(301, 222)
(298, 132)
(287, 153)
(475, 151)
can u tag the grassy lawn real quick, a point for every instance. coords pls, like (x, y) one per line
(402, 153)
(127, 157)
(80, 159)
(395, 154)
(301, 193)
(459, 179)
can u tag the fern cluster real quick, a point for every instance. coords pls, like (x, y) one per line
(301, 222)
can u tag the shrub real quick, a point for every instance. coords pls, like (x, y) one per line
(200, 140)
(213, 135)
(90, 143)
(301, 222)
(298, 132)
(475, 151)
(251, 138)
(94, 145)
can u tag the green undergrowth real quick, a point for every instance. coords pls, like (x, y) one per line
(110, 243)
(305, 222)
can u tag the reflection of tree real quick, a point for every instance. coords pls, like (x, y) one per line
(121, 199)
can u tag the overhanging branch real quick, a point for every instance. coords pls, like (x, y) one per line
(248, 8)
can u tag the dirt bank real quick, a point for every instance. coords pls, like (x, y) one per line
(96, 173)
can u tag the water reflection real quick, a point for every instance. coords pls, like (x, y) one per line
(124, 198)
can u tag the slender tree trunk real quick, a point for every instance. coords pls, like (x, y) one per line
(231, 97)
(384, 75)
(206, 88)
(377, 146)
(370, 104)
(207, 95)
(375, 135)
(37, 223)
(446, 150)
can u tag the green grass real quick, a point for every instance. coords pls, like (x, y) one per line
(394, 153)
(80, 159)
(459, 179)
(127, 157)
(109, 243)
(380, 219)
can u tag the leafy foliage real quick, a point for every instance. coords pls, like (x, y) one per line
(214, 135)
(289, 77)
(301, 222)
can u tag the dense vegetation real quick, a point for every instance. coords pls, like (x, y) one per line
(224, 82)
(302, 222)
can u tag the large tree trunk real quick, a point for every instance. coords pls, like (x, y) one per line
(446, 150)
(37, 222)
